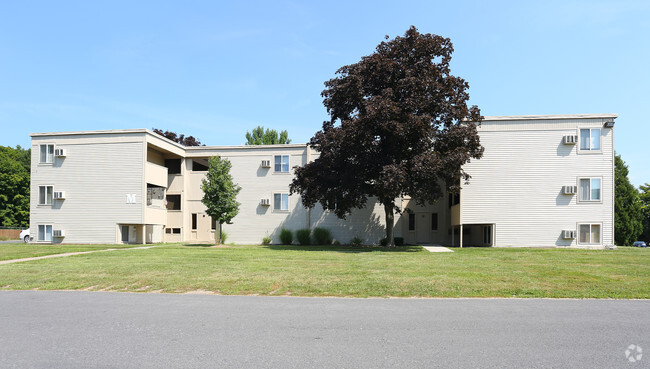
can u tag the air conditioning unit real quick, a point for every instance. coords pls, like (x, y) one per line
(568, 234)
(59, 195)
(570, 139)
(58, 233)
(59, 152)
(266, 163)
(569, 190)
(265, 202)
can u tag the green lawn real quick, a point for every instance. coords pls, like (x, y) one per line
(19, 250)
(345, 271)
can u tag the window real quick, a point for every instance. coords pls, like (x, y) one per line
(213, 224)
(173, 202)
(173, 230)
(194, 221)
(590, 139)
(281, 201)
(200, 165)
(282, 163)
(45, 195)
(487, 235)
(589, 234)
(411, 222)
(44, 232)
(434, 221)
(590, 189)
(173, 166)
(47, 153)
(155, 195)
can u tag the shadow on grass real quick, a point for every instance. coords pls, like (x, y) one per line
(198, 244)
(346, 248)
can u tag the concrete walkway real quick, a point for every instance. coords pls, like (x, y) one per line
(69, 254)
(436, 248)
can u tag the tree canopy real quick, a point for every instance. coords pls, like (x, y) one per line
(644, 195)
(178, 138)
(399, 125)
(628, 214)
(220, 192)
(261, 136)
(14, 186)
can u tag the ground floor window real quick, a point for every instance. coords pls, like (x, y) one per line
(44, 232)
(173, 230)
(194, 221)
(589, 234)
(411, 222)
(434, 221)
(281, 201)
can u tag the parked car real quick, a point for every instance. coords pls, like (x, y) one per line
(24, 235)
(639, 244)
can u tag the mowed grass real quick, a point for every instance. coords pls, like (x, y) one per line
(345, 271)
(19, 250)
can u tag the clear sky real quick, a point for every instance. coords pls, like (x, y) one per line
(215, 69)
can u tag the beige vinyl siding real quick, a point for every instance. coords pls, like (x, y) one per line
(517, 185)
(96, 176)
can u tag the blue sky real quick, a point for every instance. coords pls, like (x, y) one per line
(214, 69)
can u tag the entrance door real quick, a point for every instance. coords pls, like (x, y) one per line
(423, 227)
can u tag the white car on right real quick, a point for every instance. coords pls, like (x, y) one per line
(24, 235)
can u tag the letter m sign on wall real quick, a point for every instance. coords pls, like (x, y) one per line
(130, 198)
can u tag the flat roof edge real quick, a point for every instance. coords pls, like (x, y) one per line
(550, 117)
(100, 132)
(239, 147)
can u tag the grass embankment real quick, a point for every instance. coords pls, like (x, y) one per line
(19, 250)
(345, 271)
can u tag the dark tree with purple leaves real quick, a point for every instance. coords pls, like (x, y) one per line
(181, 139)
(399, 126)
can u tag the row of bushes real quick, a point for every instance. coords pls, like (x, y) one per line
(319, 236)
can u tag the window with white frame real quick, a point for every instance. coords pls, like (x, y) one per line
(590, 189)
(589, 234)
(44, 232)
(46, 153)
(282, 163)
(590, 139)
(281, 201)
(45, 195)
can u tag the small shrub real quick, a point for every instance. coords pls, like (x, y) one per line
(399, 241)
(322, 236)
(303, 236)
(356, 241)
(266, 240)
(224, 237)
(286, 237)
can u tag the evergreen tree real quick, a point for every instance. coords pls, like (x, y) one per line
(628, 214)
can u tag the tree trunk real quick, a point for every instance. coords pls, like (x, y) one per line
(390, 220)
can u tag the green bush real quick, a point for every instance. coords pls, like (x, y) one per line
(224, 237)
(336, 243)
(322, 236)
(286, 237)
(266, 240)
(303, 236)
(356, 241)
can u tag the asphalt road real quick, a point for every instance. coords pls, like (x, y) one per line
(126, 330)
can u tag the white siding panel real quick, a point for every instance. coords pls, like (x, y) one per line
(96, 178)
(518, 186)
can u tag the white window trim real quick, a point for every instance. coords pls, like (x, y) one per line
(288, 202)
(288, 162)
(46, 157)
(578, 144)
(579, 197)
(590, 224)
(38, 200)
(45, 225)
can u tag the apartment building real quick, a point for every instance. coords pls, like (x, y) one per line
(543, 181)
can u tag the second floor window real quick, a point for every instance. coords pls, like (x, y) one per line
(281, 201)
(590, 189)
(45, 195)
(46, 153)
(282, 163)
(590, 139)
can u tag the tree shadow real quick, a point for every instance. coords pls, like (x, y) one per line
(345, 248)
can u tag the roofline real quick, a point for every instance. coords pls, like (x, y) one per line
(550, 117)
(100, 132)
(242, 147)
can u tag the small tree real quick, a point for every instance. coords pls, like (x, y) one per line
(628, 214)
(220, 192)
(644, 195)
(260, 136)
(399, 125)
